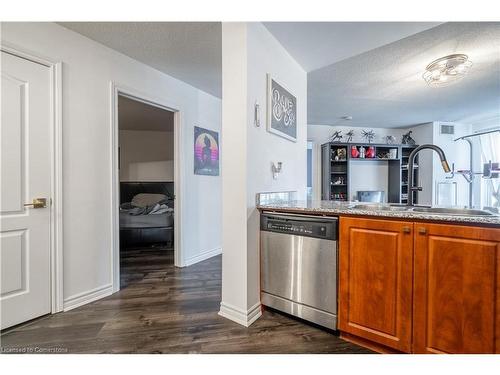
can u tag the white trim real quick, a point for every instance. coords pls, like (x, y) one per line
(245, 318)
(81, 299)
(115, 90)
(56, 185)
(202, 256)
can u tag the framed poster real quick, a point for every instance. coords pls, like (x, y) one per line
(206, 152)
(281, 110)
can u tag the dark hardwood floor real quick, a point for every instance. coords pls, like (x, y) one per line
(163, 309)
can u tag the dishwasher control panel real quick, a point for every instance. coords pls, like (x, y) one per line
(310, 226)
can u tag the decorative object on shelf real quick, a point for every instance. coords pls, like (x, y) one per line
(339, 196)
(368, 135)
(354, 152)
(383, 155)
(407, 139)
(256, 115)
(370, 152)
(349, 135)
(206, 152)
(446, 70)
(393, 153)
(336, 136)
(339, 181)
(390, 139)
(362, 152)
(342, 154)
(276, 169)
(281, 111)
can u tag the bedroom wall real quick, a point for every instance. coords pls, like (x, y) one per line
(146, 155)
(88, 70)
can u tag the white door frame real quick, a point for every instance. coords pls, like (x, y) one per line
(56, 186)
(115, 90)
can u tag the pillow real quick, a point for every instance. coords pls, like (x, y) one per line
(147, 199)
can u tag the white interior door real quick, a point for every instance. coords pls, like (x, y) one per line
(25, 175)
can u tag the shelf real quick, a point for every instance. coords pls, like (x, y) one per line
(340, 170)
(377, 159)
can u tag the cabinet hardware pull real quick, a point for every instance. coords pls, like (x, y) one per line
(422, 230)
(406, 230)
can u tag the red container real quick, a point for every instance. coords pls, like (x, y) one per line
(370, 153)
(354, 152)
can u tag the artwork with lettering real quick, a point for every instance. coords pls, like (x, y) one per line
(281, 110)
(206, 152)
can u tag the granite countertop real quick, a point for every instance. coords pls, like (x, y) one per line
(346, 208)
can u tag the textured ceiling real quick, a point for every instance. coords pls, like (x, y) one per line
(384, 87)
(135, 115)
(189, 51)
(318, 44)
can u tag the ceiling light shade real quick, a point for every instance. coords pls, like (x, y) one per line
(447, 69)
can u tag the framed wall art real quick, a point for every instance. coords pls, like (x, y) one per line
(281, 110)
(206, 152)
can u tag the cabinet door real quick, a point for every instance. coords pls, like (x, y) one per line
(457, 289)
(375, 281)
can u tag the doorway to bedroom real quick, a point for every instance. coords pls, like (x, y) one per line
(146, 188)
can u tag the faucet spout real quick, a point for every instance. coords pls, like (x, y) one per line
(411, 163)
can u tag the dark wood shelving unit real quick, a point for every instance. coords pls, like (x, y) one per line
(333, 170)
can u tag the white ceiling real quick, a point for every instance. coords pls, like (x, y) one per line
(135, 115)
(318, 44)
(189, 51)
(384, 87)
(371, 71)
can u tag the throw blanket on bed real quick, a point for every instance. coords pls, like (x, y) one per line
(157, 209)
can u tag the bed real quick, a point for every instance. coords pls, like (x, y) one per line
(145, 229)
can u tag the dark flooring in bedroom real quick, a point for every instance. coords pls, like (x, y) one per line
(163, 309)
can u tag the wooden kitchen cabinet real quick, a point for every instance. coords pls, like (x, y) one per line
(375, 281)
(456, 289)
(419, 287)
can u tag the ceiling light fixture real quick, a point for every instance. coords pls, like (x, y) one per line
(447, 69)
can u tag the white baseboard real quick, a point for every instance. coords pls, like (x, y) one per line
(245, 318)
(203, 256)
(81, 299)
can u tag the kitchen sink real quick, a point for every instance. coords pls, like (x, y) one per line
(452, 211)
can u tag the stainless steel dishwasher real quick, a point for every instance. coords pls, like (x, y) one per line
(299, 266)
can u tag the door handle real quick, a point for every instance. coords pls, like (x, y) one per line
(37, 203)
(422, 230)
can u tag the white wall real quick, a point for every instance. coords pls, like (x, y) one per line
(249, 51)
(368, 175)
(146, 155)
(430, 169)
(424, 134)
(88, 69)
(266, 55)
